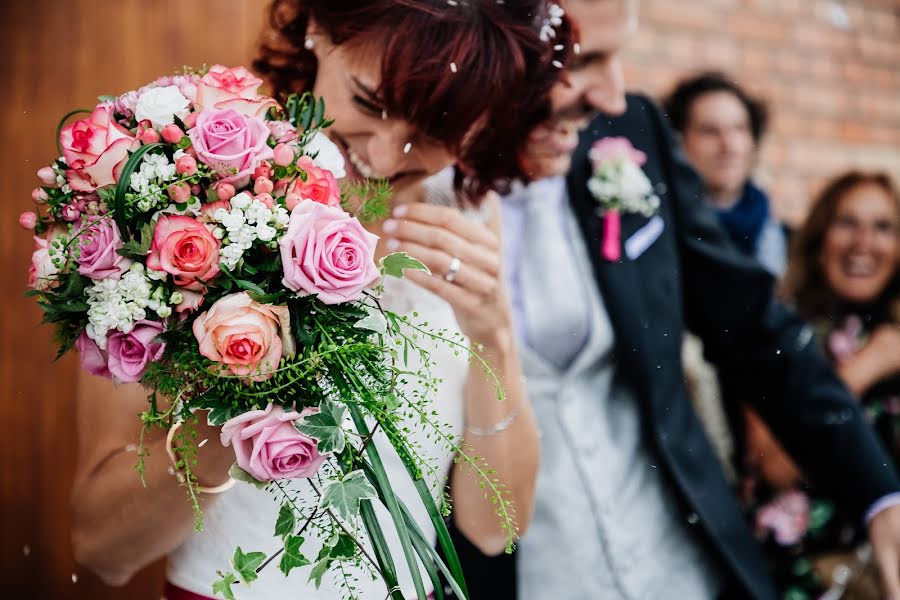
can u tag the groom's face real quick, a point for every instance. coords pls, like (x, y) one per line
(593, 83)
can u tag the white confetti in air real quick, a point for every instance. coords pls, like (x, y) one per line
(131, 448)
(557, 64)
(203, 443)
(407, 148)
(577, 48)
(558, 47)
(26, 549)
(453, 67)
(452, 2)
(384, 115)
(74, 578)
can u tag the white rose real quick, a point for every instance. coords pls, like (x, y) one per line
(161, 105)
(329, 157)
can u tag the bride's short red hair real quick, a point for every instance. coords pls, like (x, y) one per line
(499, 91)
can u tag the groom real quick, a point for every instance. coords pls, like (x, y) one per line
(631, 501)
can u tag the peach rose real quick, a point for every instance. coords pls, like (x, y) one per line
(320, 185)
(246, 337)
(43, 275)
(184, 248)
(235, 89)
(95, 149)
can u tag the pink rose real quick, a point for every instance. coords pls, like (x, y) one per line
(98, 244)
(327, 252)
(184, 248)
(95, 149)
(93, 359)
(42, 274)
(130, 352)
(616, 148)
(230, 143)
(320, 185)
(268, 446)
(787, 517)
(246, 337)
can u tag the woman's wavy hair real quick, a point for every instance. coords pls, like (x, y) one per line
(804, 282)
(483, 112)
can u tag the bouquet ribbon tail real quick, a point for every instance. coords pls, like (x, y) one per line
(612, 235)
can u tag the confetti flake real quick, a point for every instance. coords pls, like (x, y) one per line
(407, 148)
(203, 443)
(453, 67)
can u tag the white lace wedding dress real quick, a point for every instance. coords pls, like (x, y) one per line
(245, 516)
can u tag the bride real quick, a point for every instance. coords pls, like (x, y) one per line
(414, 86)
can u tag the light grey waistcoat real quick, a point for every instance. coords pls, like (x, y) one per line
(605, 523)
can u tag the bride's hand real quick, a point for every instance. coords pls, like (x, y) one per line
(436, 235)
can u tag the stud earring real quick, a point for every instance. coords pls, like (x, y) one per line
(309, 44)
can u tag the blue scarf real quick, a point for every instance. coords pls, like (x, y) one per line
(745, 220)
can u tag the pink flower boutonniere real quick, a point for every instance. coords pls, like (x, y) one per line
(620, 186)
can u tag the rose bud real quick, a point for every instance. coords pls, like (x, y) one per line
(266, 199)
(280, 187)
(149, 136)
(263, 170)
(179, 192)
(263, 185)
(28, 220)
(186, 165)
(39, 195)
(47, 176)
(172, 133)
(190, 120)
(224, 191)
(292, 200)
(144, 126)
(70, 212)
(284, 155)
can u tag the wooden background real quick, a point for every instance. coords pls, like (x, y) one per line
(56, 56)
(831, 68)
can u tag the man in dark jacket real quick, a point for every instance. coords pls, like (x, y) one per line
(608, 266)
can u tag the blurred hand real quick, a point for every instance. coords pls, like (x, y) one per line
(437, 234)
(884, 347)
(767, 457)
(884, 532)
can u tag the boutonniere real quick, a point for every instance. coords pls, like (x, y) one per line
(620, 186)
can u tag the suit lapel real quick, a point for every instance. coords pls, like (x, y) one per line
(619, 282)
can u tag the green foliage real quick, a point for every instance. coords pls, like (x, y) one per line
(139, 247)
(367, 200)
(393, 265)
(286, 522)
(247, 564)
(223, 585)
(344, 495)
(325, 427)
(292, 557)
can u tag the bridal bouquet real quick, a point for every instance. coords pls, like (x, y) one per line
(193, 237)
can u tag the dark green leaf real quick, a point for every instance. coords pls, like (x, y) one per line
(292, 558)
(246, 564)
(394, 264)
(284, 526)
(249, 286)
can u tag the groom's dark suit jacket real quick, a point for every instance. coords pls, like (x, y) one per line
(692, 278)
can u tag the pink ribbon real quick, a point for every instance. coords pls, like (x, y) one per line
(612, 243)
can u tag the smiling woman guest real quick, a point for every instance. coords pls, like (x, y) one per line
(414, 87)
(844, 277)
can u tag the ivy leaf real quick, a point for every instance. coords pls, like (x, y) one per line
(373, 321)
(217, 415)
(394, 264)
(343, 548)
(319, 570)
(292, 558)
(235, 472)
(284, 526)
(246, 564)
(223, 585)
(325, 426)
(344, 495)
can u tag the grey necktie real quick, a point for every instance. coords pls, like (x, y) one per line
(555, 307)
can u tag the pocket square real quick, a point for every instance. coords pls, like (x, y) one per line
(644, 237)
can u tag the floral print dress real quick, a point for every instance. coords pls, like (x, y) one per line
(798, 527)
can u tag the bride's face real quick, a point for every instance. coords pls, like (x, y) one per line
(375, 143)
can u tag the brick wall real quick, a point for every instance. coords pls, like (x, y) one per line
(830, 70)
